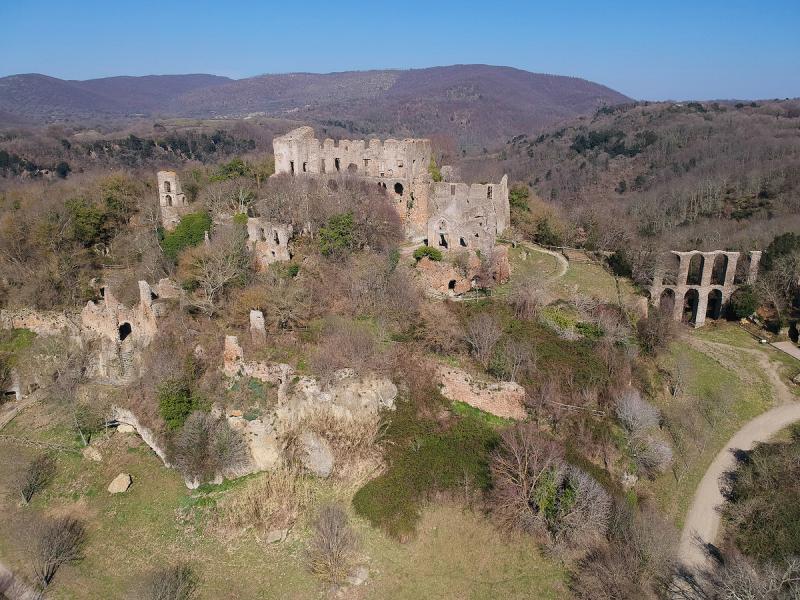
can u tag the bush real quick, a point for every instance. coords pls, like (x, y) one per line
(518, 197)
(434, 171)
(636, 414)
(56, 543)
(337, 237)
(172, 583)
(175, 402)
(333, 546)
(743, 302)
(207, 447)
(36, 476)
(655, 332)
(456, 459)
(429, 251)
(189, 232)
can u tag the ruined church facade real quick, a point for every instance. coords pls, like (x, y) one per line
(448, 215)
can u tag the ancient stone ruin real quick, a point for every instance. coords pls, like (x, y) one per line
(447, 215)
(171, 199)
(695, 285)
(269, 242)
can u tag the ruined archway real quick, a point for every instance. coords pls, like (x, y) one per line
(719, 269)
(672, 265)
(714, 306)
(125, 330)
(742, 269)
(398, 188)
(666, 303)
(695, 274)
(690, 301)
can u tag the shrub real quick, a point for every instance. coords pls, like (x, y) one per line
(207, 447)
(333, 546)
(36, 475)
(177, 582)
(743, 302)
(175, 402)
(429, 461)
(189, 232)
(636, 414)
(434, 171)
(655, 332)
(518, 197)
(337, 237)
(56, 543)
(429, 251)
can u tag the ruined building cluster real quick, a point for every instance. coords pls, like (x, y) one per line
(695, 285)
(447, 215)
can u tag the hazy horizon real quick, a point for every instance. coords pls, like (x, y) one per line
(717, 50)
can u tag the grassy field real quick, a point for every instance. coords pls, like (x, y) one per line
(747, 392)
(456, 553)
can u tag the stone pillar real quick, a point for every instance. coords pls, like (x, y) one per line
(755, 258)
(258, 331)
(677, 310)
(658, 284)
(730, 271)
(702, 306)
(685, 259)
(708, 267)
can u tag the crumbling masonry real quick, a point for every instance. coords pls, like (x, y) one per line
(447, 215)
(695, 285)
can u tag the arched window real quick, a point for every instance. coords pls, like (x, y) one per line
(696, 265)
(169, 200)
(398, 188)
(167, 186)
(667, 301)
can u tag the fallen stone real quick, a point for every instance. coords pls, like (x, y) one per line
(276, 535)
(92, 453)
(125, 428)
(120, 484)
(316, 454)
(358, 576)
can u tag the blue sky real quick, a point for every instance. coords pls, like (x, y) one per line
(648, 49)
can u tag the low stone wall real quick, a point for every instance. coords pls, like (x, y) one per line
(40, 322)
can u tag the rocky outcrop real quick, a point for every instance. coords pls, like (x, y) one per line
(503, 399)
(120, 484)
(126, 417)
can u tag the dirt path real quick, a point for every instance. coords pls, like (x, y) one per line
(702, 520)
(12, 409)
(563, 263)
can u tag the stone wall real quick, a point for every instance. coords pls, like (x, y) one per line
(503, 399)
(269, 242)
(171, 199)
(40, 322)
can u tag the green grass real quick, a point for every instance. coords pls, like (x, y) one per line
(705, 378)
(465, 410)
(593, 280)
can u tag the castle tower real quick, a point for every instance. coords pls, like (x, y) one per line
(171, 198)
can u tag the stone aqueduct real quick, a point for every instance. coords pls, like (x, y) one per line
(697, 284)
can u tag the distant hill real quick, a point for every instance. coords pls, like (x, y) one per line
(474, 104)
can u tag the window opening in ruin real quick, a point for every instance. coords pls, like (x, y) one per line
(742, 269)
(291, 167)
(719, 269)
(442, 240)
(714, 306)
(305, 167)
(275, 237)
(671, 266)
(124, 331)
(103, 292)
(366, 163)
(322, 166)
(169, 200)
(153, 295)
(451, 285)
(400, 165)
(167, 186)
(263, 235)
(695, 274)
(462, 242)
(337, 165)
(452, 190)
(352, 168)
(476, 235)
(398, 188)
(489, 193)
(425, 242)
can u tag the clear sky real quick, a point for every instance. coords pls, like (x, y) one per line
(650, 49)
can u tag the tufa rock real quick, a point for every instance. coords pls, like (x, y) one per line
(92, 453)
(276, 535)
(316, 454)
(120, 484)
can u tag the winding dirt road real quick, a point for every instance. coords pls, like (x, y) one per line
(703, 519)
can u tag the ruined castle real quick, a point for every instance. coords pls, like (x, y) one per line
(693, 286)
(447, 215)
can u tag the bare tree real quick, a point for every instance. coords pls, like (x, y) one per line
(36, 475)
(482, 334)
(635, 413)
(518, 361)
(177, 582)
(526, 297)
(207, 446)
(56, 543)
(333, 547)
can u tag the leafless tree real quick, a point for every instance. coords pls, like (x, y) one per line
(526, 297)
(333, 547)
(177, 582)
(56, 542)
(652, 455)
(635, 413)
(482, 334)
(519, 360)
(207, 446)
(36, 476)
